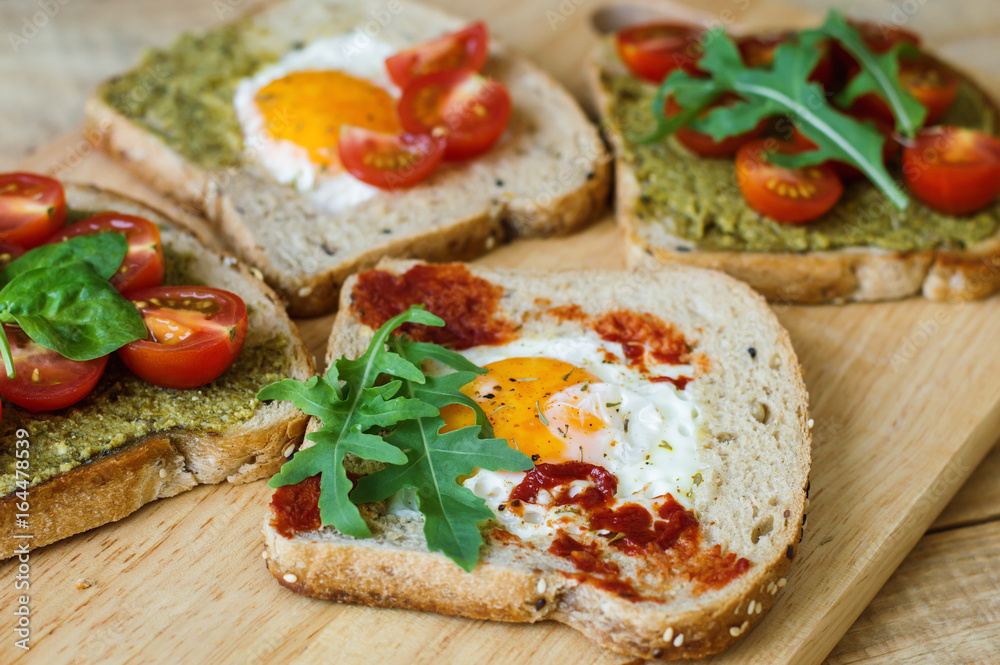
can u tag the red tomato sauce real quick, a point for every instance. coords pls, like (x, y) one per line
(550, 476)
(641, 335)
(468, 304)
(670, 540)
(295, 508)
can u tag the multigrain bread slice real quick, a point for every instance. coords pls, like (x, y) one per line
(122, 473)
(754, 456)
(548, 175)
(859, 273)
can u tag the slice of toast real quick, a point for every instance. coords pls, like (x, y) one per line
(243, 440)
(548, 175)
(753, 455)
(861, 273)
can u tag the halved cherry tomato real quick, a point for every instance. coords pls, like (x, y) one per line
(703, 144)
(142, 266)
(758, 51)
(890, 147)
(880, 37)
(953, 169)
(465, 49)
(389, 161)
(470, 112)
(792, 196)
(43, 379)
(195, 334)
(933, 84)
(653, 50)
(32, 208)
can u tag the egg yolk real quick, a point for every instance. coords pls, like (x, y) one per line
(307, 108)
(536, 404)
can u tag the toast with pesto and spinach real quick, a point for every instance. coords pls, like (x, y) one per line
(839, 163)
(322, 135)
(132, 355)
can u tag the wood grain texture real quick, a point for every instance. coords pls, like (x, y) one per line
(979, 499)
(182, 579)
(933, 609)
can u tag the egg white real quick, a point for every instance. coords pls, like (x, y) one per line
(289, 163)
(654, 455)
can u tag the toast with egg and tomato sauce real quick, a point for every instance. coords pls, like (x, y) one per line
(225, 121)
(130, 442)
(675, 206)
(666, 416)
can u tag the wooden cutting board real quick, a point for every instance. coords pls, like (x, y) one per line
(905, 404)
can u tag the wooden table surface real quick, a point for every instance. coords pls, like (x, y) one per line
(941, 606)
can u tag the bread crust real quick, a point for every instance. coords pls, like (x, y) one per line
(518, 583)
(222, 196)
(861, 274)
(166, 463)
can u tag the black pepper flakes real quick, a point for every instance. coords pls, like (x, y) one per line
(499, 183)
(535, 458)
(752, 351)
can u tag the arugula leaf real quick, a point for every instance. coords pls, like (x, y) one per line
(435, 461)
(349, 413)
(73, 311)
(398, 423)
(103, 251)
(879, 74)
(784, 89)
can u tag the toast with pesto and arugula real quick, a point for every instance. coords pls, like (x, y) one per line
(132, 354)
(321, 136)
(604, 449)
(865, 168)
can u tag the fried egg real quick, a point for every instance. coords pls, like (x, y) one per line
(290, 113)
(577, 399)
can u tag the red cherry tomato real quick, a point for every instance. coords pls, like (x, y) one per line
(142, 266)
(935, 86)
(931, 83)
(43, 379)
(465, 49)
(703, 144)
(953, 169)
(470, 112)
(879, 37)
(792, 196)
(389, 161)
(32, 208)
(882, 36)
(654, 50)
(195, 334)
(890, 147)
(758, 51)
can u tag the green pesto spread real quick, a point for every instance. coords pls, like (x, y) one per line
(700, 201)
(123, 408)
(184, 94)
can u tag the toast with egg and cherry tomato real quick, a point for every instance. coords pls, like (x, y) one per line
(839, 163)
(623, 452)
(132, 353)
(322, 136)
